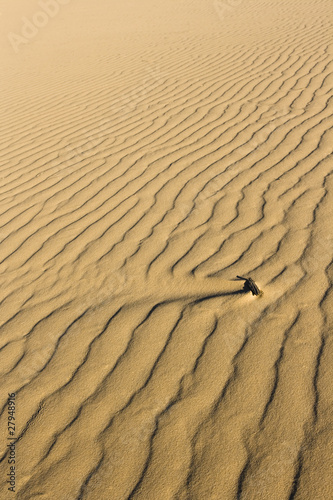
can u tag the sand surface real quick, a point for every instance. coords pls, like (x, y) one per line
(151, 151)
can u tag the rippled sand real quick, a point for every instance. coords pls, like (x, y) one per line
(150, 153)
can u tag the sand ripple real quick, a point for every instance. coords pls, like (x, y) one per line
(143, 168)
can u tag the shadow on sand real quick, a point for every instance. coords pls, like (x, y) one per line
(217, 295)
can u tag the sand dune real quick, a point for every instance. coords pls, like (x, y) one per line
(150, 153)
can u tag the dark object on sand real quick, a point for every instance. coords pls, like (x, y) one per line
(250, 286)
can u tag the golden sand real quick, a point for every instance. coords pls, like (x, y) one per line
(151, 151)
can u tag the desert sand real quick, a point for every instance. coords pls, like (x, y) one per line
(151, 151)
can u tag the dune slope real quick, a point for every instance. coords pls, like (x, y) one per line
(150, 153)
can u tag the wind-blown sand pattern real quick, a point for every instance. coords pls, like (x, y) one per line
(151, 152)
